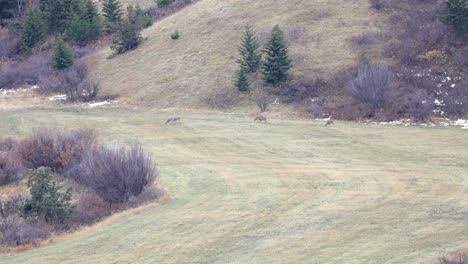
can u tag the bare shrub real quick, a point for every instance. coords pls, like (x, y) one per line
(73, 82)
(456, 100)
(372, 84)
(150, 193)
(417, 105)
(222, 100)
(29, 71)
(117, 173)
(461, 258)
(18, 231)
(7, 143)
(90, 209)
(262, 103)
(55, 149)
(12, 204)
(10, 42)
(299, 89)
(368, 38)
(378, 4)
(11, 169)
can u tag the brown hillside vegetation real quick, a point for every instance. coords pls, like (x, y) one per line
(166, 73)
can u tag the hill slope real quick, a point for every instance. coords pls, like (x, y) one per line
(164, 73)
(305, 194)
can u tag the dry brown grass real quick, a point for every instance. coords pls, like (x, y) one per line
(166, 73)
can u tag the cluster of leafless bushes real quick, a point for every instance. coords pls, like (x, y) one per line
(115, 173)
(74, 82)
(10, 41)
(461, 258)
(14, 73)
(112, 178)
(11, 168)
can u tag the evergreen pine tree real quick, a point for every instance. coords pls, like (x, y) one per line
(112, 12)
(94, 22)
(250, 57)
(241, 82)
(84, 25)
(47, 199)
(457, 16)
(34, 28)
(277, 64)
(129, 35)
(58, 13)
(63, 56)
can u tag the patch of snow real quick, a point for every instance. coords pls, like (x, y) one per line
(460, 122)
(439, 102)
(19, 90)
(107, 102)
(59, 97)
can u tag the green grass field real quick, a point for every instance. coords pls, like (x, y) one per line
(282, 192)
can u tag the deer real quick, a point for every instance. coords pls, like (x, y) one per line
(330, 122)
(172, 120)
(261, 119)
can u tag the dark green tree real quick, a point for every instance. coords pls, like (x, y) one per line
(7, 8)
(112, 12)
(34, 28)
(58, 13)
(250, 57)
(47, 201)
(129, 34)
(457, 16)
(144, 19)
(84, 25)
(277, 64)
(241, 81)
(62, 57)
(163, 3)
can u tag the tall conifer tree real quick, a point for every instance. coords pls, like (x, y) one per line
(277, 64)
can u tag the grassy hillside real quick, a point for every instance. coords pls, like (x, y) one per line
(165, 73)
(282, 192)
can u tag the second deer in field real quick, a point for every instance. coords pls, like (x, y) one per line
(261, 119)
(330, 122)
(172, 120)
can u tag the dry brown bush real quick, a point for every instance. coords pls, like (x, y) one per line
(90, 209)
(55, 149)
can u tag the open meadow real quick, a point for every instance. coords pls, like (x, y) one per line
(286, 191)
